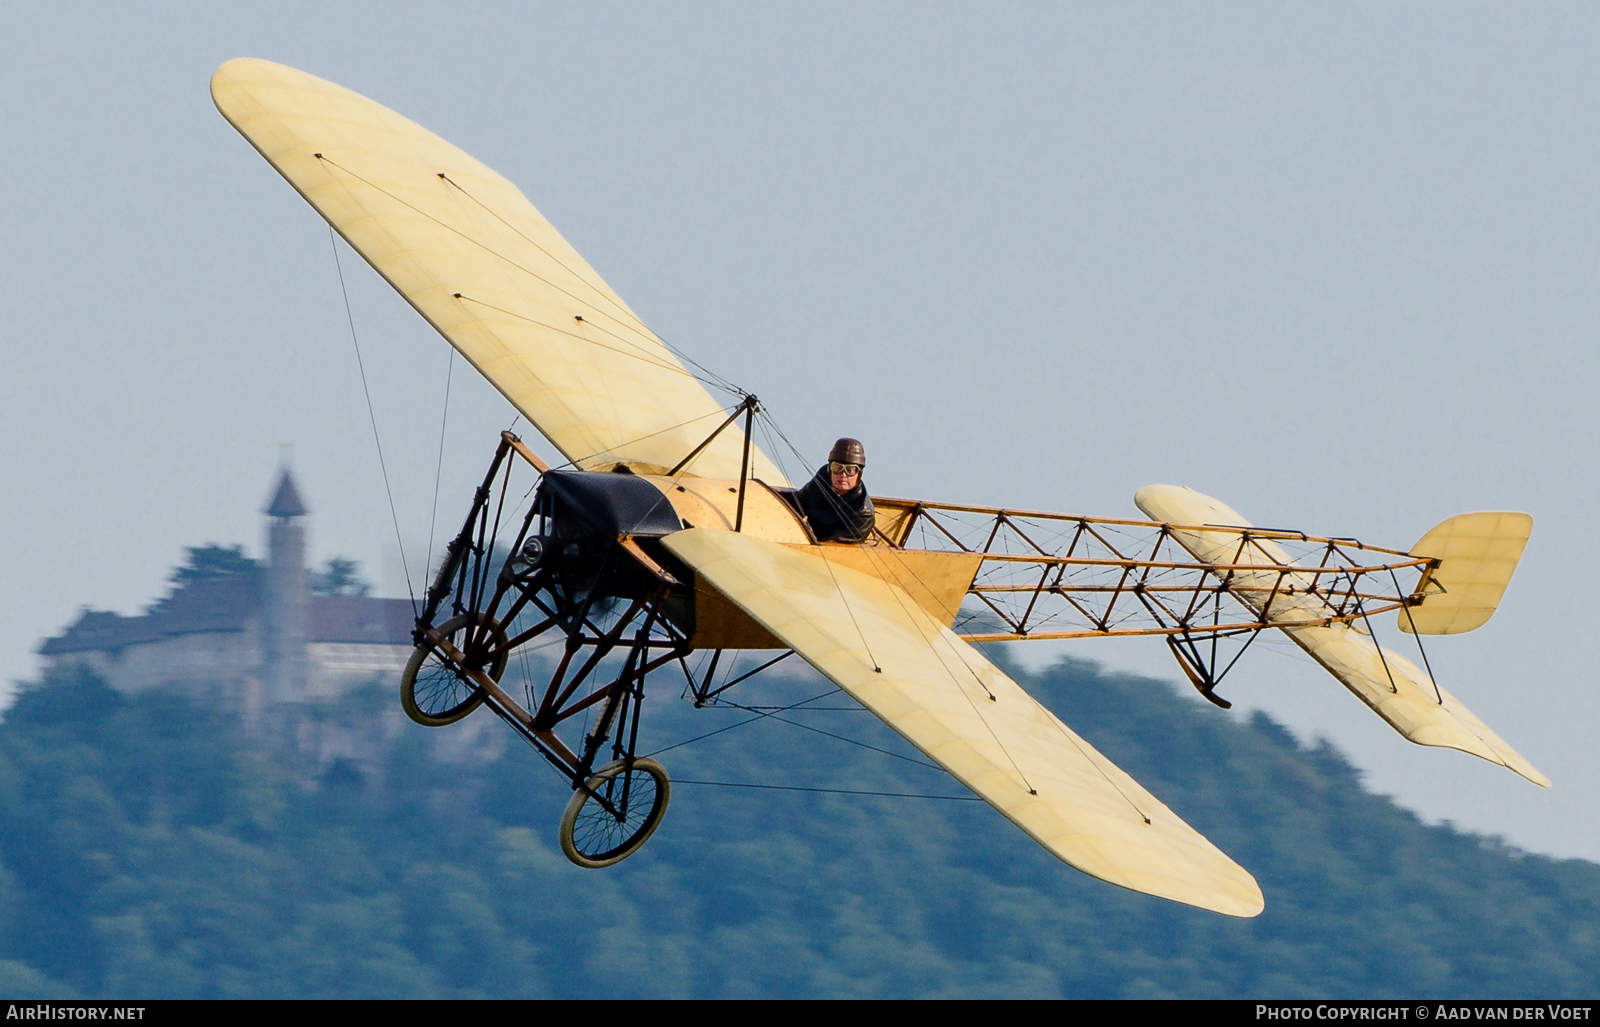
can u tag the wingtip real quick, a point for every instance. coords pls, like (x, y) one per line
(1247, 910)
(1239, 896)
(229, 73)
(230, 69)
(1235, 893)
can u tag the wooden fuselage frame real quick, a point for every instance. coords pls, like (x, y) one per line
(1089, 584)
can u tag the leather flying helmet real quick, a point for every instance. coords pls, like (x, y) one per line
(848, 451)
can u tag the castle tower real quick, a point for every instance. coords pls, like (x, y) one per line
(285, 597)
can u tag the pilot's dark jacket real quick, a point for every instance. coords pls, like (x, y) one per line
(836, 518)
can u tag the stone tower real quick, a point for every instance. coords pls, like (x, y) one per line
(285, 597)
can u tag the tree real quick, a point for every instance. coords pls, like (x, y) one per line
(207, 563)
(213, 561)
(340, 577)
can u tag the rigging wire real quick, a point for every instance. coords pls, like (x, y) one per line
(456, 231)
(809, 709)
(641, 329)
(1418, 636)
(372, 416)
(1393, 687)
(777, 454)
(831, 791)
(792, 447)
(742, 723)
(518, 232)
(629, 323)
(830, 734)
(575, 461)
(930, 642)
(677, 352)
(716, 381)
(897, 593)
(438, 471)
(640, 355)
(877, 668)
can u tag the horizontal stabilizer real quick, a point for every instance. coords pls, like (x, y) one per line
(861, 629)
(1477, 554)
(1397, 690)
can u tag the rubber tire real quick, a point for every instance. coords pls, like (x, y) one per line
(420, 658)
(641, 834)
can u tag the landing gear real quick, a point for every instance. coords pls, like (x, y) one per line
(434, 689)
(583, 573)
(614, 812)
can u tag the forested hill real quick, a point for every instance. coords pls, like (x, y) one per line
(147, 851)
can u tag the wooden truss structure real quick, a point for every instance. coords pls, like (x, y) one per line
(1058, 576)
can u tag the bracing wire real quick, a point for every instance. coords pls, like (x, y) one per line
(777, 455)
(792, 447)
(641, 330)
(576, 461)
(830, 734)
(877, 668)
(715, 380)
(725, 384)
(438, 471)
(831, 791)
(931, 643)
(636, 353)
(742, 723)
(372, 416)
(897, 593)
(1439, 696)
(519, 233)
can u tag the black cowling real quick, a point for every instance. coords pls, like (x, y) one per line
(606, 505)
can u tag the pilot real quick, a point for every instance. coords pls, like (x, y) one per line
(835, 501)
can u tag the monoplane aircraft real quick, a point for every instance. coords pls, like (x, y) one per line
(666, 529)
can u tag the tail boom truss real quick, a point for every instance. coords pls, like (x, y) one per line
(1060, 576)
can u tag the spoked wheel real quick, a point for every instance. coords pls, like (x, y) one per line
(615, 813)
(433, 689)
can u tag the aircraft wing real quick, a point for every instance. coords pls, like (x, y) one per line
(1399, 691)
(486, 269)
(960, 710)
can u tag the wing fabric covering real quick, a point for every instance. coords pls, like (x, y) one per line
(1477, 554)
(486, 269)
(934, 689)
(1397, 690)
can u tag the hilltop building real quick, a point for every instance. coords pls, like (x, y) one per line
(255, 641)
